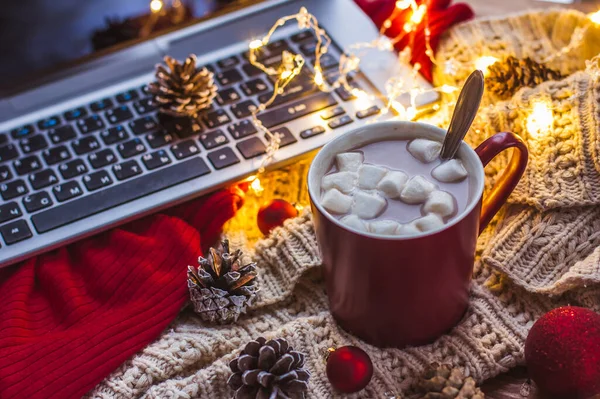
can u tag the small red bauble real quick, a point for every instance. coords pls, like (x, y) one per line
(562, 352)
(273, 214)
(349, 369)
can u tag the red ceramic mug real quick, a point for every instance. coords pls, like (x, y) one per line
(399, 291)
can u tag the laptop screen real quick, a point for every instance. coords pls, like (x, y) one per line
(38, 37)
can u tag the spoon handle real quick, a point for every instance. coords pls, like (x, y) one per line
(464, 114)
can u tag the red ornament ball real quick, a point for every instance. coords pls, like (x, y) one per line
(562, 352)
(349, 369)
(273, 214)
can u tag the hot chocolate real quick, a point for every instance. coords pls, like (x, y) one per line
(395, 187)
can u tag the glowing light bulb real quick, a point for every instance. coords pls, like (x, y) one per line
(448, 89)
(387, 23)
(254, 44)
(595, 17)
(411, 113)
(156, 5)
(403, 4)
(286, 74)
(418, 15)
(540, 119)
(255, 184)
(483, 63)
(318, 77)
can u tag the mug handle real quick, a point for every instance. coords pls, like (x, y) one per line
(509, 178)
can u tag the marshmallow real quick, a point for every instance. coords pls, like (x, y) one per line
(428, 222)
(408, 229)
(416, 190)
(393, 183)
(387, 227)
(424, 150)
(369, 176)
(349, 161)
(355, 222)
(440, 203)
(450, 171)
(336, 202)
(366, 205)
(343, 181)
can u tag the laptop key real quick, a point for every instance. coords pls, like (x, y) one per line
(118, 115)
(373, 110)
(75, 114)
(8, 152)
(90, 124)
(13, 189)
(341, 121)
(302, 36)
(22, 131)
(85, 145)
(33, 143)
(185, 149)
(216, 118)
(242, 129)
(156, 159)
(9, 211)
(183, 127)
(102, 158)
(43, 179)
(144, 106)
(228, 62)
(3, 139)
(27, 165)
(116, 195)
(313, 131)
(36, 201)
(67, 191)
(97, 180)
(223, 158)
(158, 139)
(227, 96)
(131, 148)
(127, 169)
(243, 109)
(127, 96)
(309, 49)
(62, 134)
(143, 125)
(72, 169)
(285, 136)
(294, 91)
(226, 78)
(56, 154)
(251, 71)
(15, 232)
(213, 139)
(5, 173)
(296, 109)
(254, 86)
(332, 112)
(48, 123)
(277, 46)
(101, 105)
(114, 135)
(252, 147)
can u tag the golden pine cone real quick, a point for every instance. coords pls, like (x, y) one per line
(506, 77)
(444, 382)
(182, 89)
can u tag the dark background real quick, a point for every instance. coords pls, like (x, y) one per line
(40, 35)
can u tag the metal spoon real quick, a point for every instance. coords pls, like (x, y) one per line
(464, 114)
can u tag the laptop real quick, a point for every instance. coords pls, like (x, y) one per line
(84, 150)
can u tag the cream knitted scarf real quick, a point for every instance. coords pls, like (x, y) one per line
(543, 252)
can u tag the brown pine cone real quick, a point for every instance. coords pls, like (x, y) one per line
(444, 382)
(182, 90)
(269, 370)
(221, 288)
(506, 77)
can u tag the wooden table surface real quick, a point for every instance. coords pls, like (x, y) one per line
(507, 386)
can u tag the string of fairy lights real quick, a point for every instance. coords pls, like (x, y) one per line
(540, 115)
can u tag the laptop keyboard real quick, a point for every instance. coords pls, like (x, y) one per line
(114, 150)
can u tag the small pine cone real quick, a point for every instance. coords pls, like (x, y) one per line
(182, 90)
(221, 288)
(505, 78)
(444, 382)
(269, 370)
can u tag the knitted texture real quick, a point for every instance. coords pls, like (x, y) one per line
(541, 252)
